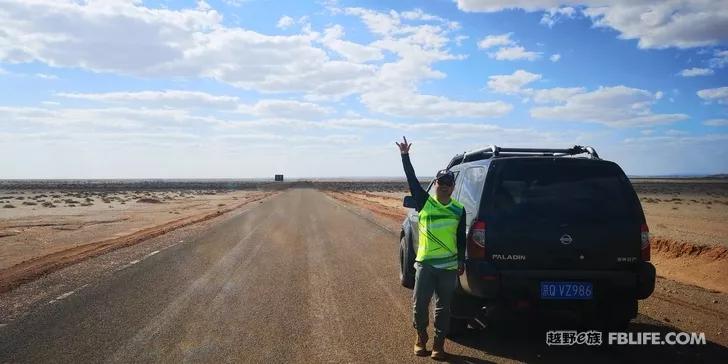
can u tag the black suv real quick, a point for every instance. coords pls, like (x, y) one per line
(553, 229)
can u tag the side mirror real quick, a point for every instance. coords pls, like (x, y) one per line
(409, 201)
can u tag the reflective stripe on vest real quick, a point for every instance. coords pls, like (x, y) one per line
(438, 228)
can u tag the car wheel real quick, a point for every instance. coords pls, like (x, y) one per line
(406, 265)
(620, 314)
(613, 315)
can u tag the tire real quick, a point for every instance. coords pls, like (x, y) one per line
(620, 314)
(615, 315)
(406, 264)
(618, 324)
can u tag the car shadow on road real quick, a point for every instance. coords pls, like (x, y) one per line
(525, 340)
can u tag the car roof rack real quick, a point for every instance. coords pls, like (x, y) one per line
(492, 151)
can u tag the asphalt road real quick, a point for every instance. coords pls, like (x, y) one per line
(299, 278)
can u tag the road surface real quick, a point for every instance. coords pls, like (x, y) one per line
(298, 278)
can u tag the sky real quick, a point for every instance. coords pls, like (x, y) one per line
(250, 88)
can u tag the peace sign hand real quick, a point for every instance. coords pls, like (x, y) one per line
(404, 146)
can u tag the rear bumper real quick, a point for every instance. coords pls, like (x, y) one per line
(483, 280)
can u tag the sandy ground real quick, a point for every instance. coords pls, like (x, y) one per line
(44, 222)
(695, 218)
(687, 224)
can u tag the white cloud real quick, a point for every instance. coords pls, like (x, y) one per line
(235, 3)
(509, 49)
(128, 38)
(276, 64)
(719, 95)
(418, 14)
(555, 57)
(662, 24)
(496, 40)
(101, 119)
(46, 76)
(351, 51)
(110, 35)
(654, 23)
(450, 136)
(285, 22)
(692, 72)
(617, 106)
(173, 98)
(553, 16)
(404, 103)
(681, 138)
(555, 94)
(417, 47)
(513, 83)
(716, 122)
(433, 127)
(287, 139)
(675, 132)
(491, 6)
(515, 53)
(719, 60)
(286, 109)
(460, 38)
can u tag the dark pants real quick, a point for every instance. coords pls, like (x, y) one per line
(442, 283)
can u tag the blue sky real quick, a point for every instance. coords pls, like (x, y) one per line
(249, 88)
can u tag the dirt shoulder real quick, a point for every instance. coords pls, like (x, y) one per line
(36, 239)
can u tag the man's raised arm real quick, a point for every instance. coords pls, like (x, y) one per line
(418, 193)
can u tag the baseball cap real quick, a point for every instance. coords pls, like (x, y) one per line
(445, 177)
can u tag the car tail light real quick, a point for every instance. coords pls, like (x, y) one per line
(645, 247)
(476, 240)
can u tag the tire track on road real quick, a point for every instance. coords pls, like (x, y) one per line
(692, 306)
(200, 287)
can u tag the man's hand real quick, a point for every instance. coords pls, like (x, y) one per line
(404, 146)
(461, 268)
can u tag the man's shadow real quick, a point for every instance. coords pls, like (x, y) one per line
(524, 339)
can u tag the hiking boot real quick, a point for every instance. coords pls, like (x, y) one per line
(438, 349)
(421, 344)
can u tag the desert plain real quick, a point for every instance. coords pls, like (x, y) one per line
(688, 218)
(45, 225)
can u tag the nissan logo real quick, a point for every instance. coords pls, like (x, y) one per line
(566, 239)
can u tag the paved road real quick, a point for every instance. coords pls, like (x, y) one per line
(298, 278)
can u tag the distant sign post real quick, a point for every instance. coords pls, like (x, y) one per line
(279, 178)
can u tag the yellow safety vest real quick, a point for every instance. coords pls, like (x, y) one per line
(438, 233)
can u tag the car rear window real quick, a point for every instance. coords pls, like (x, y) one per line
(567, 190)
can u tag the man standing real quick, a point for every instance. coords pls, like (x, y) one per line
(440, 253)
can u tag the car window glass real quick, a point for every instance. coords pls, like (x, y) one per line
(472, 188)
(565, 192)
(458, 185)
